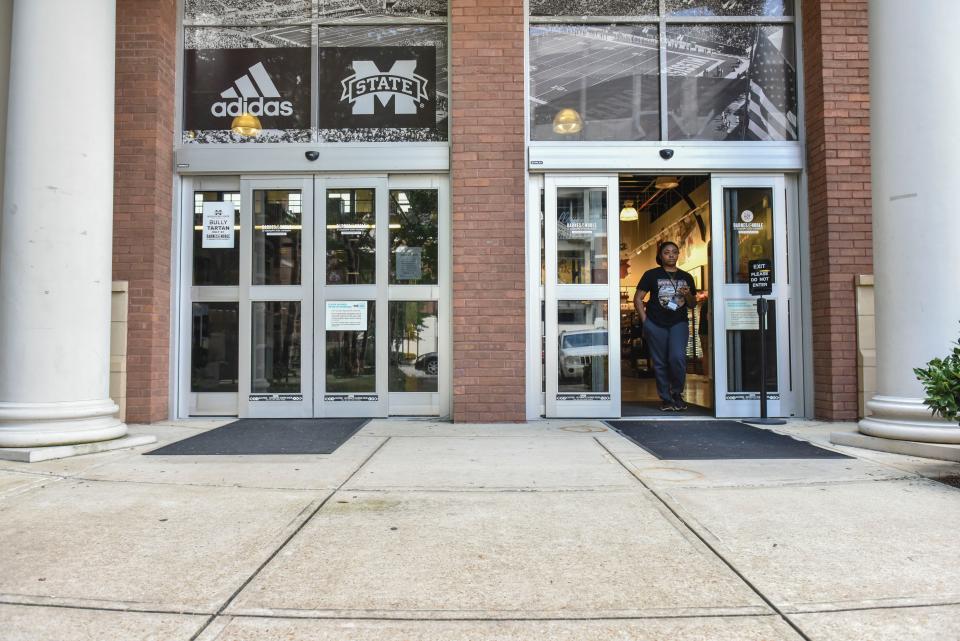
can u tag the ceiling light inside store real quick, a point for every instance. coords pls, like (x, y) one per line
(246, 125)
(667, 182)
(567, 121)
(629, 212)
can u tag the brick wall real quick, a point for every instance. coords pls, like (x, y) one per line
(488, 210)
(143, 195)
(836, 68)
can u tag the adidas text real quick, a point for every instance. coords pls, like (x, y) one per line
(255, 107)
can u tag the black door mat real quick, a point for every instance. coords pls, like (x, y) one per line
(268, 436)
(652, 408)
(715, 440)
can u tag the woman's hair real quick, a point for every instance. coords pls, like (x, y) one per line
(660, 250)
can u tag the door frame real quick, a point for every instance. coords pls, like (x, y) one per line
(569, 407)
(788, 400)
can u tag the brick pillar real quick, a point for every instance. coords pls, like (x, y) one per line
(487, 177)
(836, 72)
(143, 195)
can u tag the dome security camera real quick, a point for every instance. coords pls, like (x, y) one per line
(666, 154)
(312, 155)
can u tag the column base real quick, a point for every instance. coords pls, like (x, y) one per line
(907, 419)
(69, 423)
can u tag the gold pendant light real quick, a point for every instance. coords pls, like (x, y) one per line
(567, 121)
(246, 125)
(629, 212)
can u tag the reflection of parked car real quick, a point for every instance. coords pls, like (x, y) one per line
(427, 363)
(579, 348)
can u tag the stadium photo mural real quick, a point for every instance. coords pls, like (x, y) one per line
(650, 70)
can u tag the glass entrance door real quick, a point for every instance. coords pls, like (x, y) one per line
(351, 276)
(752, 224)
(276, 298)
(581, 233)
(315, 296)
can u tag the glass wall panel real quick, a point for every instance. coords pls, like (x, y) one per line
(413, 236)
(579, 8)
(352, 358)
(729, 7)
(581, 235)
(276, 347)
(214, 360)
(594, 82)
(367, 10)
(409, 61)
(277, 237)
(414, 344)
(221, 265)
(748, 215)
(257, 71)
(584, 346)
(246, 11)
(351, 237)
(731, 82)
(743, 356)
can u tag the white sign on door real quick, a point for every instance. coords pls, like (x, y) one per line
(741, 315)
(218, 221)
(347, 316)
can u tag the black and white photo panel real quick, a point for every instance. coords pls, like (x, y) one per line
(578, 8)
(262, 71)
(608, 75)
(382, 84)
(223, 12)
(368, 10)
(729, 7)
(731, 82)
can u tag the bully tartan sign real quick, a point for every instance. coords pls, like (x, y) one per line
(388, 87)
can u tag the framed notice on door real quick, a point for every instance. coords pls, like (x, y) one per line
(346, 316)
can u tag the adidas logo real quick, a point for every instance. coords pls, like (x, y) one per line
(253, 93)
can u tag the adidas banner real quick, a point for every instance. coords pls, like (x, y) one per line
(377, 87)
(272, 84)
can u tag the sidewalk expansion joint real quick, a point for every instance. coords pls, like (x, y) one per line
(505, 619)
(285, 542)
(105, 608)
(667, 504)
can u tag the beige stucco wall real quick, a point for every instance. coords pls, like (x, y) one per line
(866, 343)
(118, 346)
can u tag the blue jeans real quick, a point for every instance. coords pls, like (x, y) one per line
(668, 351)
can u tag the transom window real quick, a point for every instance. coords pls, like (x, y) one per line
(647, 70)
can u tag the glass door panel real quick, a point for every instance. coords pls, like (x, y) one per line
(276, 336)
(582, 374)
(352, 219)
(753, 226)
(210, 286)
(418, 271)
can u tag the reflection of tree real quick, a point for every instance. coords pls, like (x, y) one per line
(417, 228)
(350, 251)
(407, 323)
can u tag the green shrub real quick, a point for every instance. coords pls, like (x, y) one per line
(941, 382)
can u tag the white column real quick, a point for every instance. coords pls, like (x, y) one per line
(56, 245)
(915, 93)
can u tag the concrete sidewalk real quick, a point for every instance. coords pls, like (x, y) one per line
(424, 530)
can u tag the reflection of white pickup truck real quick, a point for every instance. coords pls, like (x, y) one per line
(578, 349)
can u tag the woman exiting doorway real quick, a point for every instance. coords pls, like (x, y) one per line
(657, 209)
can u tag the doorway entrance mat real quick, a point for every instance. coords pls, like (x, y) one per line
(268, 436)
(652, 408)
(716, 440)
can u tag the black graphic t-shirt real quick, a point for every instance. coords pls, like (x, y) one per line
(666, 287)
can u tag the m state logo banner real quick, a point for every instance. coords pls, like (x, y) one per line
(377, 87)
(272, 84)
